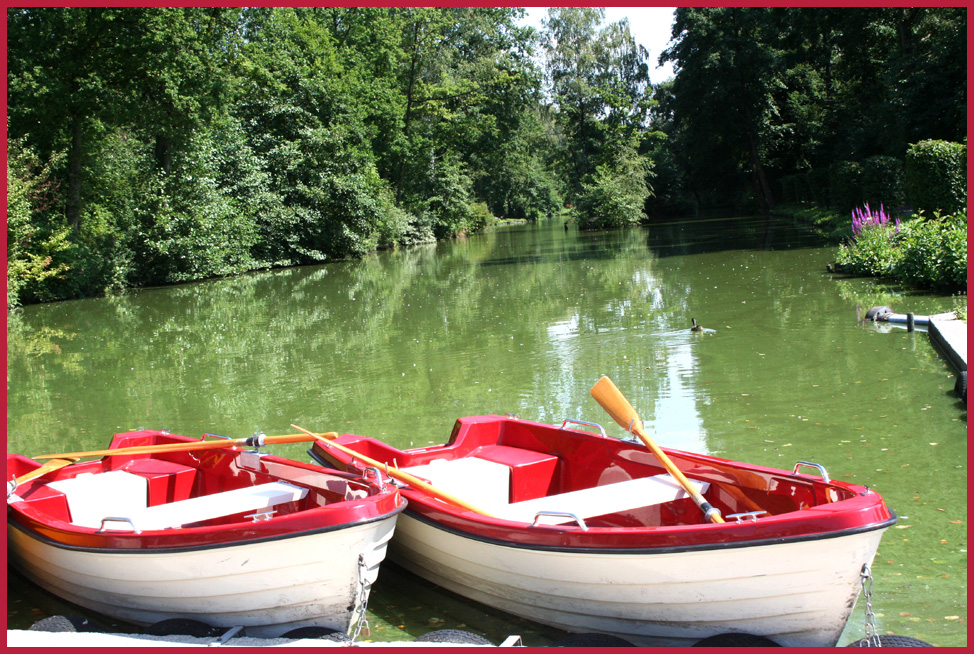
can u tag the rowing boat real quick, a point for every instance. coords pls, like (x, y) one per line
(589, 533)
(230, 537)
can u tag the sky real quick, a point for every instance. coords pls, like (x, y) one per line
(650, 26)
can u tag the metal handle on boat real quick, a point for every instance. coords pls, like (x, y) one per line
(752, 515)
(819, 467)
(128, 520)
(378, 475)
(559, 514)
(587, 424)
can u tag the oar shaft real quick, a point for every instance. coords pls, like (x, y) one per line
(186, 447)
(615, 403)
(404, 477)
(50, 466)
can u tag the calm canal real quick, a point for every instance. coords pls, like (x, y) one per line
(524, 320)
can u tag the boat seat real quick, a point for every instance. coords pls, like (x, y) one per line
(122, 496)
(93, 496)
(600, 500)
(208, 507)
(482, 483)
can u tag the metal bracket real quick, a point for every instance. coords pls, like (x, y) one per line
(587, 424)
(263, 514)
(378, 475)
(750, 515)
(819, 467)
(222, 640)
(559, 514)
(113, 519)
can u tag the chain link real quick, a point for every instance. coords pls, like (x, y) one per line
(872, 632)
(362, 626)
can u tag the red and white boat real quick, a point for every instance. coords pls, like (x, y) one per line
(229, 537)
(589, 533)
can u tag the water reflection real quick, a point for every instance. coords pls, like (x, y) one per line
(524, 320)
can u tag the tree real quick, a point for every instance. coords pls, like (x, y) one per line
(723, 99)
(599, 85)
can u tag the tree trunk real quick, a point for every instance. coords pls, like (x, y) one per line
(407, 118)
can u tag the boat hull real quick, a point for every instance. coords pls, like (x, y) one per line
(585, 533)
(800, 593)
(219, 535)
(270, 586)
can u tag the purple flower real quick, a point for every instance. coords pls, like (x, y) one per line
(864, 217)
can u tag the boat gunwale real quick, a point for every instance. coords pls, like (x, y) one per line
(662, 549)
(43, 527)
(863, 510)
(278, 536)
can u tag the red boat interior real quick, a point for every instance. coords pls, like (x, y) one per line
(544, 461)
(180, 481)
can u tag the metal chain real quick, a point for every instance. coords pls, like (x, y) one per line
(362, 626)
(872, 632)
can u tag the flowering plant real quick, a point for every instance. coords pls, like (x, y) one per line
(866, 217)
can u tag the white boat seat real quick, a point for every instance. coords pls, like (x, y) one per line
(215, 505)
(116, 495)
(486, 485)
(600, 500)
(482, 483)
(93, 496)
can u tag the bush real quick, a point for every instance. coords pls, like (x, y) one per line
(934, 253)
(38, 249)
(927, 253)
(480, 217)
(935, 175)
(615, 195)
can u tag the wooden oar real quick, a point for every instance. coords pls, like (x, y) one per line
(50, 466)
(253, 441)
(614, 402)
(395, 473)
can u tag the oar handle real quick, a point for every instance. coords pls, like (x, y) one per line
(396, 473)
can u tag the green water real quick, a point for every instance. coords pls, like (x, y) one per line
(524, 320)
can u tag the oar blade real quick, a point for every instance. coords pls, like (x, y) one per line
(615, 404)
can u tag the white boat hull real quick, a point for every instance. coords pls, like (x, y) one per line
(796, 593)
(270, 587)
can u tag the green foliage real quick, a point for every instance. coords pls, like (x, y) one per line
(36, 250)
(845, 184)
(480, 217)
(882, 181)
(616, 193)
(927, 253)
(791, 91)
(934, 253)
(936, 176)
(600, 85)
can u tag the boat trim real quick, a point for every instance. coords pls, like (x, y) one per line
(196, 548)
(659, 550)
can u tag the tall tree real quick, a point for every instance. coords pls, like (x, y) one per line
(600, 85)
(723, 92)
